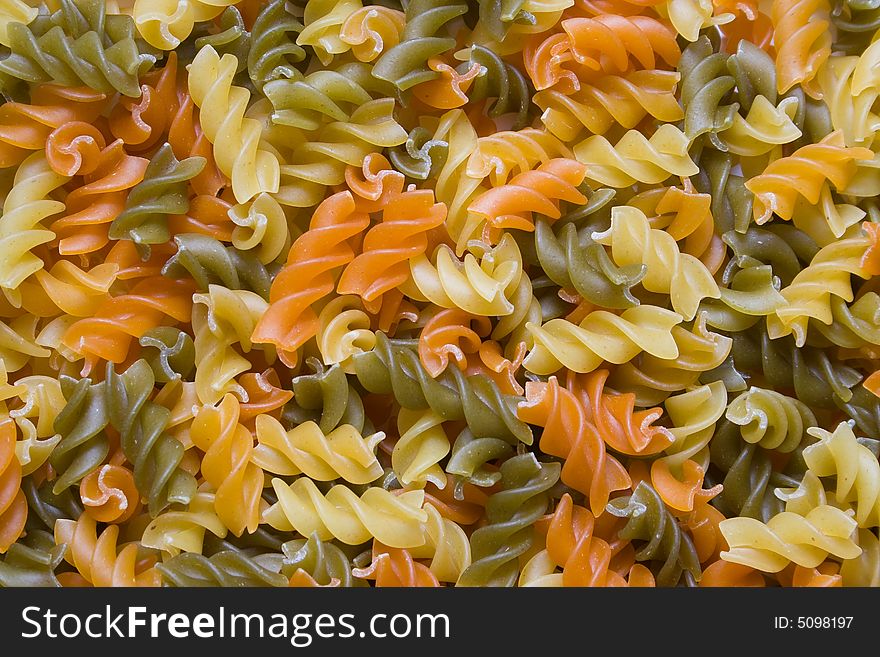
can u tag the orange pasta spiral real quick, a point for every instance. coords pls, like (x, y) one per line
(108, 335)
(612, 43)
(110, 494)
(227, 466)
(24, 128)
(451, 333)
(108, 173)
(622, 428)
(588, 468)
(308, 275)
(96, 558)
(374, 183)
(13, 505)
(390, 245)
(802, 34)
(541, 190)
(396, 567)
(585, 559)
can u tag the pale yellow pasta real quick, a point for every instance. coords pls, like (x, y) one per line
(164, 24)
(305, 449)
(790, 538)
(669, 271)
(688, 17)
(184, 531)
(763, 128)
(343, 331)
(14, 11)
(856, 470)
(422, 445)
(602, 336)
(261, 226)
(323, 21)
(236, 139)
(395, 520)
(18, 343)
(446, 545)
(482, 284)
(694, 415)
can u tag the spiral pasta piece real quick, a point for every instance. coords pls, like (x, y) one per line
(396, 521)
(788, 537)
(588, 468)
(803, 40)
(13, 505)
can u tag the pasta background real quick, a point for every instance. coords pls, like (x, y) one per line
(329, 293)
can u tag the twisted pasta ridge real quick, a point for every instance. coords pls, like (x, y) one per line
(801, 33)
(611, 100)
(305, 449)
(44, 507)
(609, 43)
(504, 88)
(805, 173)
(323, 20)
(636, 158)
(749, 24)
(13, 504)
(28, 566)
(166, 25)
(93, 207)
(446, 545)
(649, 520)
(26, 205)
(395, 369)
(174, 532)
(370, 31)
(395, 520)
(480, 287)
(15, 11)
(770, 419)
(109, 494)
(588, 468)
(406, 64)
(274, 52)
(162, 192)
(668, 270)
(764, 127)
(838, 453)
(344, 330)
(208, 262)
(83, 445)
(510, 513)
(236, 138)
(327, 398)
(308, 274)
(260, 227)
(420, 157)
(318, 562)
(226, 569)
(788, 537)
(828, 275)
(863, 570)
(18, 343)
(314, 100)
(705, 84)
(175, 354)
(108, 334)
(222, 319)
(388, 246)
(585, 559)
(226, 465)
(623, 428)
(78, 45)
(141, 423)
(422, 445)
(396, 567)
(451, 333)
(574, 261)
(24, 128)
(540, 190)
(602, 336)
(749, 476)
(95, 557)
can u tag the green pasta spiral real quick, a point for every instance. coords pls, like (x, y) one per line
(174, 355)
(649, 520)
(507, 90)
(406, 64)
(229, 568)
(273, 52)
(705, 87)
(469, 456)
(421, 157)
(79, 45)
(163, 192)
(510, 514)
(30, 566)
(156, 456)
(323, 561)
(206, 260)
(394, 368)
(327, 398)
(83, 446)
